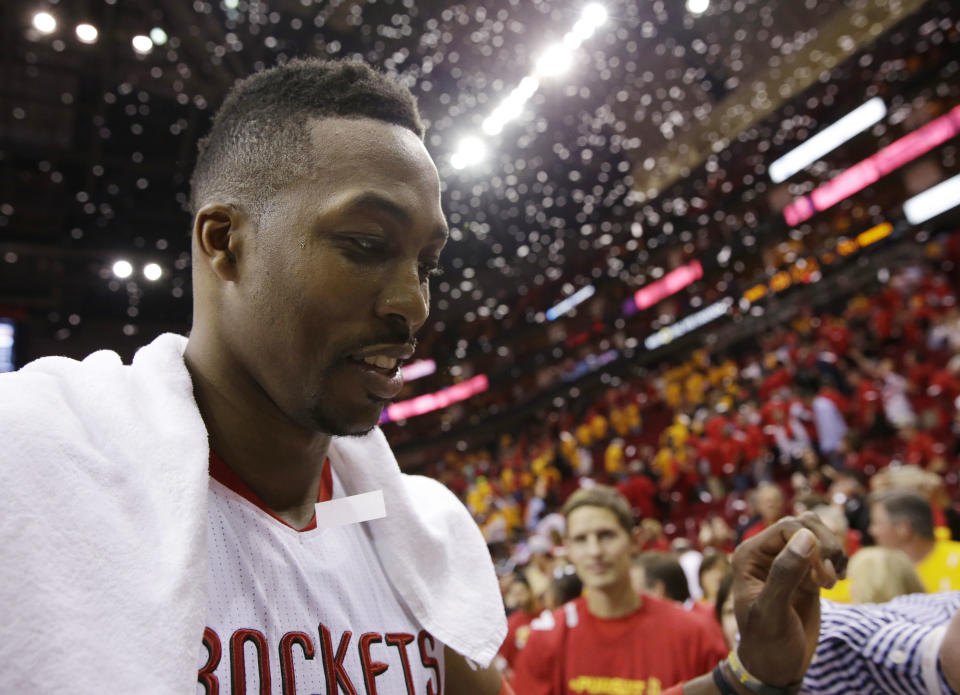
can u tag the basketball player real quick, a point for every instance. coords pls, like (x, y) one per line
(316, 225)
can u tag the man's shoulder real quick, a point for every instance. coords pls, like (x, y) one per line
(51, 385)
(559, 619)
(676, 617)
(547, 629)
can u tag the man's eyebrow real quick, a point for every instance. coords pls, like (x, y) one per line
(372, 201)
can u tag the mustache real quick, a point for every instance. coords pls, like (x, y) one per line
(397, 337)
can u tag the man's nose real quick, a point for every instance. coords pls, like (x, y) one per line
(404, 297)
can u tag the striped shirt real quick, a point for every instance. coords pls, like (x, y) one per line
(888, 648)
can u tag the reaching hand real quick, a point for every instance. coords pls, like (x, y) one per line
(776, 589)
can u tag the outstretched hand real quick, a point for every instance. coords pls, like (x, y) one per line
(776, 588)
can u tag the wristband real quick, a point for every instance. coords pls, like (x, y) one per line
(752, 683)
(720, 680)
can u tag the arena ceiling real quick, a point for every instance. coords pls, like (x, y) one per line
(644, 154)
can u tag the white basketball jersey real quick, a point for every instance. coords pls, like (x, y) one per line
(307, 612)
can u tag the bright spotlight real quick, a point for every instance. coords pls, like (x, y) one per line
(158, 36)
(142, 44)
(492, 125)
(152, 272)
(697, 6)
(471, 150)
(44, 22)
(595, 14)
(122, 269)
(554, 61)
(87, 33)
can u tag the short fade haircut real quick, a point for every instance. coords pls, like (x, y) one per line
(909, 506)
(259, 140)
(602, 496)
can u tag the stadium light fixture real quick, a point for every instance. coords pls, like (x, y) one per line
(828, 139)
(87, 33)
(158, 36)
(556, 60)
(595, 14)
(142, 44)
(471, 150)
(44, 22)
(933, 201)
(122, 269)
(152, 272)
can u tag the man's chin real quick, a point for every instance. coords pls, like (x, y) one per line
(356, 426)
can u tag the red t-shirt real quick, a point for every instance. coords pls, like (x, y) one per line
(518, 629)
(570, 651)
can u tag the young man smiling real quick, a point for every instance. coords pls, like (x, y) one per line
(180, 522)
(612, 639)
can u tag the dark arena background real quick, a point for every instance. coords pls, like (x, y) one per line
(675, 228)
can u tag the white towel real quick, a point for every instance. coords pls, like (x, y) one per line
(430, 547)
(103, 488)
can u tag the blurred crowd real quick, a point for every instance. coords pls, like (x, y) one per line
(830, 413)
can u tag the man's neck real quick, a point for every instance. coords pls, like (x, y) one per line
(279, 460)
(612, 602)
(919, 548)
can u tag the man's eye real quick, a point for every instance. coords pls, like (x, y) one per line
(431, 270)
(366, 243)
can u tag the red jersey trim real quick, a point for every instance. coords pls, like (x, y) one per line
(224, 475)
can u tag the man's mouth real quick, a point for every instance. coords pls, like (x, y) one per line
(382, 362)
(379, 369)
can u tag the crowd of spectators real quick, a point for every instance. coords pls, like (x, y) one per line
(820, 415)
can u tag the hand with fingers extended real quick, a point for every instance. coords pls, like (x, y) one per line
(777, 579)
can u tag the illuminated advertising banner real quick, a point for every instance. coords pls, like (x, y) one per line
(668, 334)
(870, 170)
(437, 400)
(570, 302)
(418, 370)
(669, 284)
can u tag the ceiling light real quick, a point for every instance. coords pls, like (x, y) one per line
(933, 201)
(697, 6)
(152, 272)
(554, 61)
(595, 14)
(828, 139)
(122, 269)
(142, 44)
(492, 125)
(158, 36)
(44, 22)
(87, 33)
(471, 150)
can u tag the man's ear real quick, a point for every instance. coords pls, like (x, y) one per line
(218, 235)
